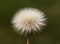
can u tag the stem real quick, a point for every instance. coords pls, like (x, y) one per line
(28, 39)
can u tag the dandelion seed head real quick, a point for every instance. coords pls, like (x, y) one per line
(28, 20)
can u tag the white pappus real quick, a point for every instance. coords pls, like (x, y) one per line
(28, 19)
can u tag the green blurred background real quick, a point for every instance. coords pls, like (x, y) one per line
(50, 34)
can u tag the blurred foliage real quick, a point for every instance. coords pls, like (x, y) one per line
(50, 34)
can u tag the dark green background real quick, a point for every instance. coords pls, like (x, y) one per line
(50, 34)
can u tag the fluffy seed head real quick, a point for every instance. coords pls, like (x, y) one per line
(28, 20)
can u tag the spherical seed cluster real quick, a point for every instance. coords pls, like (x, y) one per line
(28, 19)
